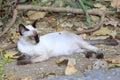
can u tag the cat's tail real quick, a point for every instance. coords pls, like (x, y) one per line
(112, 42)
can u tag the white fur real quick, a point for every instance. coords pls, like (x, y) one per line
(54, 44)
(31, 28)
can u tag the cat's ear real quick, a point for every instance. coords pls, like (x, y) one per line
(22, 29)
(34, 23)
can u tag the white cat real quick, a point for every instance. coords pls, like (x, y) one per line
(40, 48)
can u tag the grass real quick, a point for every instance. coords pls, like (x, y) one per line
(2, 64)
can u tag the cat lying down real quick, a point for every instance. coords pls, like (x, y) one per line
(40, 48)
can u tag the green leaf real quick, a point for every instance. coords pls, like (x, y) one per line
(86, 13)
(1, 3)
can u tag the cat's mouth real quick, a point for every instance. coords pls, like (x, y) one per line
(37, 39)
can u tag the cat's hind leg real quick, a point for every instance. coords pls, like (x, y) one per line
(91, 48)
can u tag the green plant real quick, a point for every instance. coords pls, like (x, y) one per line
(86, 13)
(2, 64)
(1, 3)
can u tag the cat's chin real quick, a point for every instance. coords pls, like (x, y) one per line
(34, 43)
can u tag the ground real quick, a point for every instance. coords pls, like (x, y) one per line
(38, 70)
(49, 68)
(101, 74)
(51, 22)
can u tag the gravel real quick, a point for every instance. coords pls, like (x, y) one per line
(102, 74)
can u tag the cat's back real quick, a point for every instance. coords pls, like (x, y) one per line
(60, 35)
(59, 38)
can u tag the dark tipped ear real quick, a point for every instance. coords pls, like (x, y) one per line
(22, 29)
(34, 23)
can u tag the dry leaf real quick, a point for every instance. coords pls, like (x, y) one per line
(59, 29)
(19, 78)
(113, 65)
(10, 54)
(79, 29)
(12, 77)
(13, 36)
(79, 24)
(112, 22)
(113, 34)
(84, 36)
(45, 75)
(27, 78)
(66, 61)
(71, 61)
(66, 24)
(100, 6)
(102, 31)
(115, 60)
(27, 22)
(115, 3)
(117, 36)
(70, 69)
(94, 18)
(53, 23)
(89, 67)
(62, 61)
(33, 15)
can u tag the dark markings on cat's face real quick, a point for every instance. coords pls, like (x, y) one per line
(34, 37)
(31, 36)
(37, 38)
(22, 29)
(34, 23)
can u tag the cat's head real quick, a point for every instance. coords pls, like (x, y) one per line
(29, 33)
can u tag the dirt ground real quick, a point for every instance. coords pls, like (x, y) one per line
(40, 70)
(51, 22)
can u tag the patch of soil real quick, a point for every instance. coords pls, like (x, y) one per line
(38, 70)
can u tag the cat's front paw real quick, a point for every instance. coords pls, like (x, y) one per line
(23, 60)
(88, 54)
(99, 55)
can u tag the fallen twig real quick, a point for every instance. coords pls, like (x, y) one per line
(94, 29)
(10, 24)
(10, 46)
(52, 9)
(70, 10)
